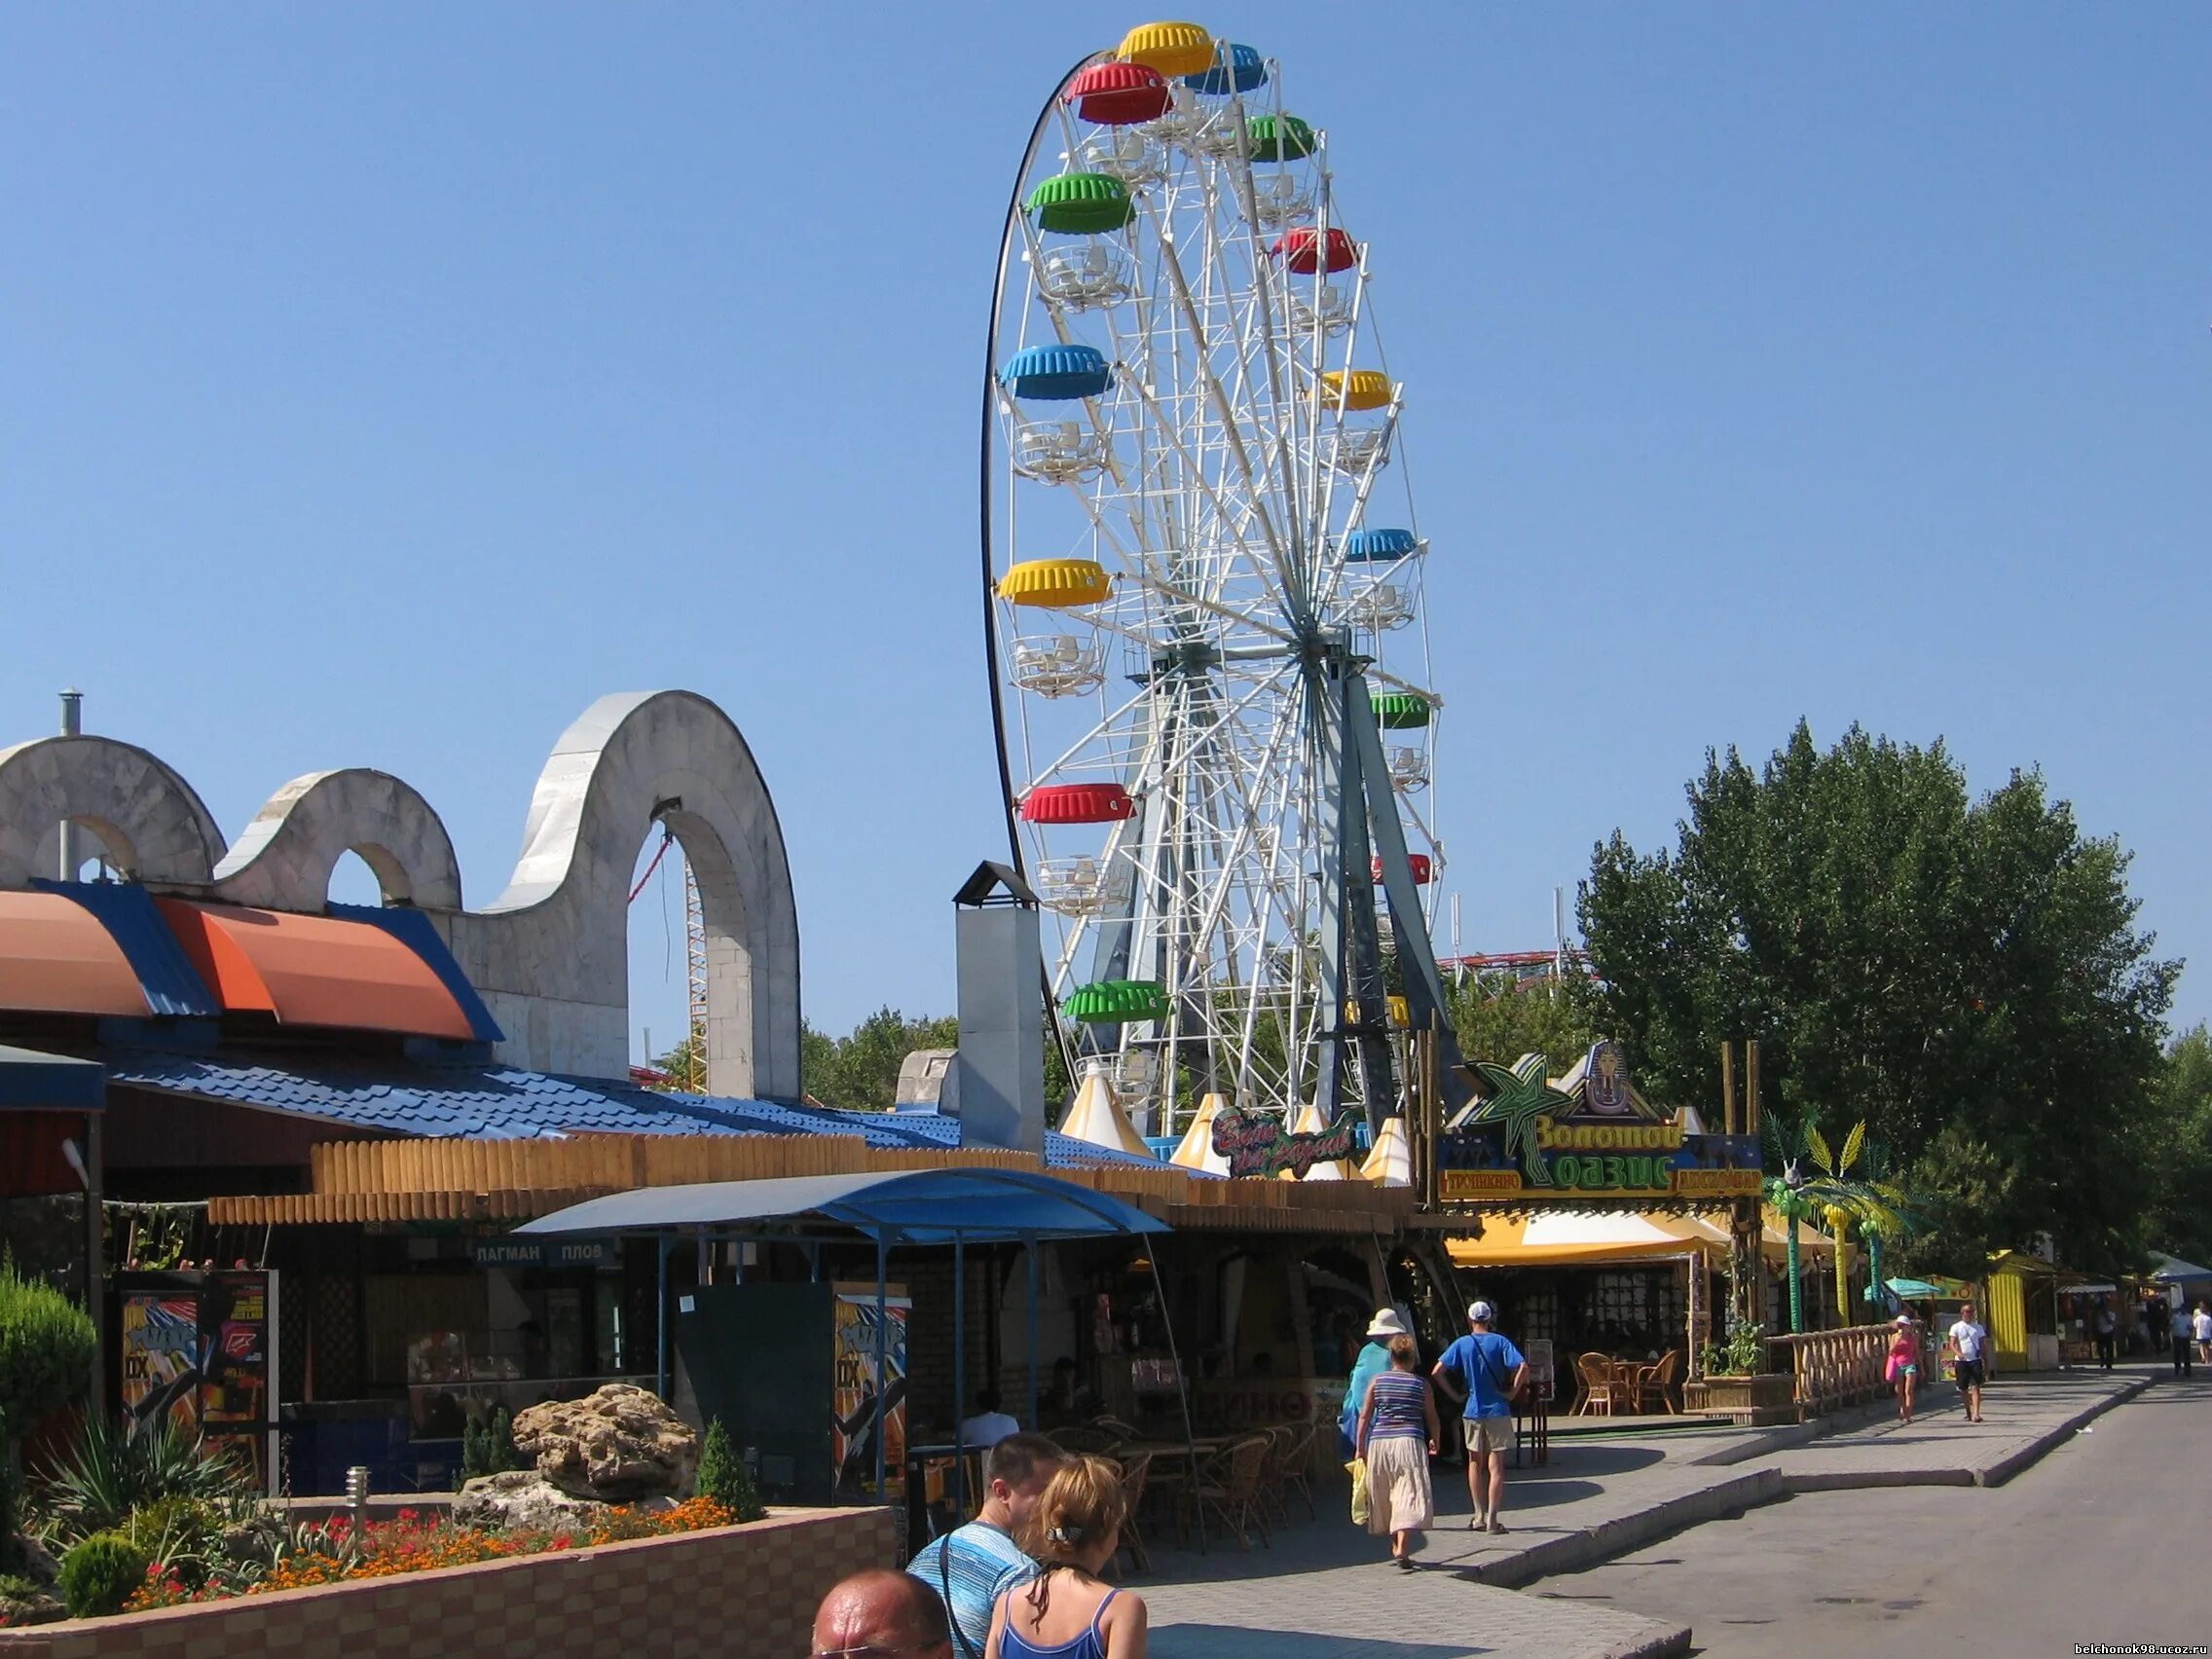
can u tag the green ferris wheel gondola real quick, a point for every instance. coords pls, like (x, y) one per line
(1080, 204)
(1401, 711)
(1117, 1001)
(1280, 139)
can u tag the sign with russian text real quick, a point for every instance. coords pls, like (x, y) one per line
(1257, 1145)
(1589, 1133)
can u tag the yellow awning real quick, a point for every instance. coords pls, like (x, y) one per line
(1556, 1237)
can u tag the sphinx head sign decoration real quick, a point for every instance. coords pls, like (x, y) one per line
(1590, 1132)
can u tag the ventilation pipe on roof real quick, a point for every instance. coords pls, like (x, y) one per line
(997, 1071)
(72, 725)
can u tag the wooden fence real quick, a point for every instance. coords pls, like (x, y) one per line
(1836, 1369)
(513, 1180)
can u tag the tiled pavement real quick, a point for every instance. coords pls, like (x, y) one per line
(1324, 1591)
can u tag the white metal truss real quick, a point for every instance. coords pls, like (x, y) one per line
(1215, 480)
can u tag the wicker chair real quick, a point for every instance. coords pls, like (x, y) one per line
(1115, 1426)
(1087, 1437)
(1599, 1386)
(1271, 1473)
(1656, 1389)
(1298, 1466)
(1136, 1475)
(1228, 1486)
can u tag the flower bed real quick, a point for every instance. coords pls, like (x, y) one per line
(748, 1589)
(328, 1552)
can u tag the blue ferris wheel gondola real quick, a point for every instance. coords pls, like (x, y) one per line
(1380, 546)
(1246, 71)
(1057, 373)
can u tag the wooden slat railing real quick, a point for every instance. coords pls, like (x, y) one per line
(1836, 1369)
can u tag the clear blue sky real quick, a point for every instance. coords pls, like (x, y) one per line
(381, 384)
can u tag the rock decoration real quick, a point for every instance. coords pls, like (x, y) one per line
(617, 1444)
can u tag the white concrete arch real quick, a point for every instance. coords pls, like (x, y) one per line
(284, 859)
(148, 821)
(550, 955)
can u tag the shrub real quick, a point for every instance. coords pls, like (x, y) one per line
(488, 1449)
(185, 1534)
(1741, 1355)
(119, 1468)
(724, 1479)
(99, 1573)
(46, 1351)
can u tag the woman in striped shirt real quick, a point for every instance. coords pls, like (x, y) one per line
(1397, 1436)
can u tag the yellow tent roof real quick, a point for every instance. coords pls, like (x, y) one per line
(1194, 1150)
(1391, 1162)
(1096, 1117)
(1306, 1121)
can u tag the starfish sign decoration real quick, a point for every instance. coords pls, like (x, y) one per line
(1518, 1097)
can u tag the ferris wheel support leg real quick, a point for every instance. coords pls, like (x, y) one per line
(1354, 1008)
(1417, 956)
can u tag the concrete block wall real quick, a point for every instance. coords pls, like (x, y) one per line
(740, 1591)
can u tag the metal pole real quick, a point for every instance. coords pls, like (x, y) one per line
(660, 1321)
(959, 1373)
(1035, 1421)
(1182, 1381)
(882, 1354)
(72, 725)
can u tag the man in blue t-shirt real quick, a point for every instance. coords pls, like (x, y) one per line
(1486, 1371)
(971, 1566)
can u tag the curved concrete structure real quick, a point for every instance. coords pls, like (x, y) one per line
(284, 859)
(550, 955)
(149, 822)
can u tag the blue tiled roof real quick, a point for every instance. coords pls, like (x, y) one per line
(505, 1103)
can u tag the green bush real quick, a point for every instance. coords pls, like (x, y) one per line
(724, 1478)
(1743, 1354)
(46, 1350)
(488, 1449)
(184, 1534)
(119, 1468)
(99, 1573)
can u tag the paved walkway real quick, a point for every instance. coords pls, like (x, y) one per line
(1325, 1591)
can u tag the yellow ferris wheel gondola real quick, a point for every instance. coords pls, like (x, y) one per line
(1172, 48)
(1360, 388)
(1056, 584)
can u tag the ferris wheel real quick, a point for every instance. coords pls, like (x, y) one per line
(1208, 650)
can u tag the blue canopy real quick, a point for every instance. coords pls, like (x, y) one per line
(910, 1206)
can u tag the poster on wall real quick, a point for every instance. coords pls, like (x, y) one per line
(199, 1349)
(860, 1411)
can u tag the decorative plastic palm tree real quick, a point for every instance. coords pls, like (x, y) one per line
(1787, 1141)
(1518, 1097)
(1879, 1208)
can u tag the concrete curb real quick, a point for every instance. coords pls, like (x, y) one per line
(1572, 1552)
(1766, 1442)
(1664, 1646)
(2005, 1467)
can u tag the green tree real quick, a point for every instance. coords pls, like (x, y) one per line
(1497, 1016)
(860, 1071)
(2180, 1221)
(1964, 974)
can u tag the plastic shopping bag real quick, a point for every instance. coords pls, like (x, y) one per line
(1358, 1470)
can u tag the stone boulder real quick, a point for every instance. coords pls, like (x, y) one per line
(524, 1500)
(617, 1444)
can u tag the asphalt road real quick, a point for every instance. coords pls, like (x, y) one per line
(2108, 1538)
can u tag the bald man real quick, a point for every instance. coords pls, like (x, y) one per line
(875, 1615)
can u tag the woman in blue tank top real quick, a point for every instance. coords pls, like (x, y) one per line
(1397, 1436)
(1067, 1611)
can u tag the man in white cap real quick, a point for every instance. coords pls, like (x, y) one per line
(1486, 1371)
(1374, 1359)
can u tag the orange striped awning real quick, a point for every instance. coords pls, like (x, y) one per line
(315, 970)
(55, 957)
